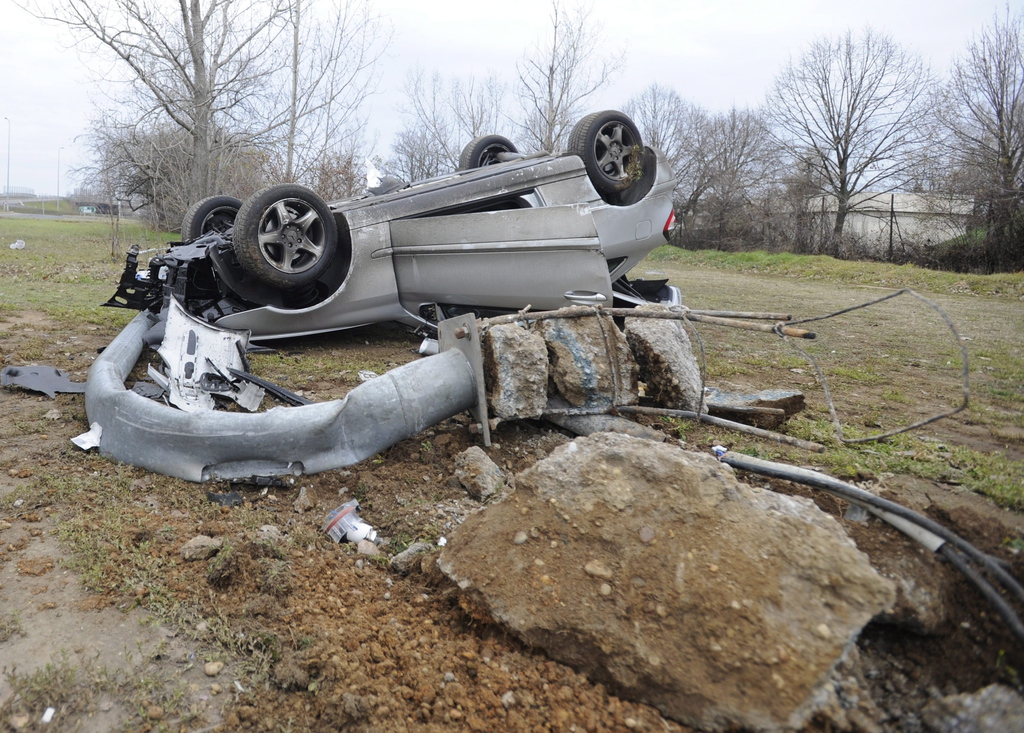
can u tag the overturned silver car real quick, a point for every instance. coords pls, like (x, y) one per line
(504, 232)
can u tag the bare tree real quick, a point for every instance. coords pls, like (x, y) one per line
(200, 65)
(148, 168)
(413, 156)
(743, 163)
(214, 68)
(682, 131)
(983, 112)
(442, 116)
(334, 55)
(722, 161)
(850, 107)
(559, 74)
(660, 114)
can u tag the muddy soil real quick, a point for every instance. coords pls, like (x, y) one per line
(109, 625)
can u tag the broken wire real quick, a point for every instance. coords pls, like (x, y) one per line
(828, 393)
(784, 330)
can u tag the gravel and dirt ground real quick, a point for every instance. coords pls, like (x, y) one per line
(103, 620)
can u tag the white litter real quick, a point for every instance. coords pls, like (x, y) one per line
(91, 439)
(20, 244)
(373, 176)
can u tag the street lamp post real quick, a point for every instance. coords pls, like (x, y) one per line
(7, 191)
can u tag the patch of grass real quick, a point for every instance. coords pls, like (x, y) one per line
(895, 395)
(857, 374)
(69, 689)
(993, 475)
(679, 425)
(822, 267)
(223, 567)
(67, 268)
(10, 624)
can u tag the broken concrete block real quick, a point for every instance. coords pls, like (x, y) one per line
(270, 534)
(654, 571)
(589, 361)
(846, 702)
(478, 474)
(405, 561)
(665, 356)
(516, 370)
(993, 709)
(590, 424)
(200, 547)
(303, 503)
(741, 406)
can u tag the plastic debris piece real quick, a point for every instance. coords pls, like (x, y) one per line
(149, 390)
(275, 481)
(277, 391)
(20, 244)
(91, 439)
(49, 712)
(719, 450)
(230, 499)
(46, 379)
(373, 176)
(365, 375)
(855, 513)
(344, 522)
(442, 541)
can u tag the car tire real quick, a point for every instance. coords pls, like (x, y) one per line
(285, 236)
(212, 214)
(611, 148)
(484, 151)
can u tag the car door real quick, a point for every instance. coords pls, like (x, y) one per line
(546, 257)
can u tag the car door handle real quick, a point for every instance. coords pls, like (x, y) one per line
(584, 297)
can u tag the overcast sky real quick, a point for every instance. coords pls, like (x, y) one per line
(714, 54)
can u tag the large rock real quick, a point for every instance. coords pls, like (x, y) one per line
(200, 547)
(665, 358)
(653, 570)
(993, 709)
(516, 371)
(589, 361)
(478, 474)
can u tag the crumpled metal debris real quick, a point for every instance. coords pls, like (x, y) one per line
(199, 359)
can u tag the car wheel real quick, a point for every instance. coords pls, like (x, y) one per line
(612, 151)
(285, 236)
(212, 214)
(484, 150)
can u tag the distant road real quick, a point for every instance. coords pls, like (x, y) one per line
(61, 217)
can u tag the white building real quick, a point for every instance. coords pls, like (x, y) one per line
(880, 220)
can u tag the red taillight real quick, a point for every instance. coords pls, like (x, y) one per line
(670, 225)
